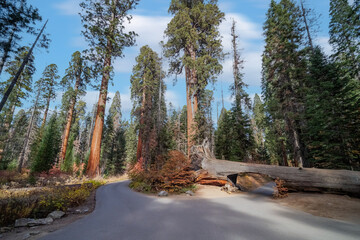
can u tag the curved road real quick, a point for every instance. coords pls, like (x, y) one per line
(123, 214)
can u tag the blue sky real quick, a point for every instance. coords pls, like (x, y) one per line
(150, 19)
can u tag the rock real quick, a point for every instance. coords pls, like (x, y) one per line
(5, 187)
(29, 222)
(56, 214)
(5, 229)
(82, 210)
(34, 233)
(190, 193)
(229, 188)
(163, 194)
(22, 222)
(40, 221)
(26, 236)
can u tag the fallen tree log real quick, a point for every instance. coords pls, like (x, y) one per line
(306, 179)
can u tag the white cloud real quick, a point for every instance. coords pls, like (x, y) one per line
(173, 98)
(324, 43)
(247, 30)
(150, 30)
(68, 7)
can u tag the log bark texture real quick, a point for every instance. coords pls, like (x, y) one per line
(305, 179)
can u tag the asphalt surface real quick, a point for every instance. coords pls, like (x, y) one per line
(123, 214)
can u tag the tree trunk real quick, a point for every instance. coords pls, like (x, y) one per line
(191, 99)
(69, 121)
(14, 81)
(46, 111)
(142, 122)
(26, 141)
(6, 51)
(94, 158)
(306, 179)
(306, 24)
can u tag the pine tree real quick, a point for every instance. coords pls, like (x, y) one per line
(259, 129)
(16, 18)
(105, 31)
(14, 142)
(146, 82)
(49, 147)
(194, 44)
(284, 71)
(222, 140)
(345, 38)
(20, 92)
(48, 84)
(131, 140)
(242, 133)
(113, 152)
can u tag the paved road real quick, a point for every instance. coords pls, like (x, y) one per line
(123, 214)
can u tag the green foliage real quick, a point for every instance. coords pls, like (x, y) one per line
(131, 140)
(17, 18)
(113, 148)
(203, 118)
(48, 148)
(149, 109)
(194, 28)
(284, 70)
(222, 141)
(104, 22)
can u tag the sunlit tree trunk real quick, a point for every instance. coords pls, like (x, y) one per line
(69, 121)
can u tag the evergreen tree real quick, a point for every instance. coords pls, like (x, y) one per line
(146, 83)
(105, 31)
(284, 71)
(131, 140)
(78, 74)
(48, 84)
(14, 142)
(242, 133)
(194, 43)
(16, 18)
(259, 129)
(48, 148)
(20, 92)
(222, 140)
(345, 37)
(113, 152)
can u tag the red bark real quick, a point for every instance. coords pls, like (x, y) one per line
(93, 169)
(69, 123)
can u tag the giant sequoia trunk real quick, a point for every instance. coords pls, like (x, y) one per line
(306, 179)
(94, 158)
(191, 99)
(69, 121)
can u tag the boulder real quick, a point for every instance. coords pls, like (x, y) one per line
(22, 222)
(56, 214)
(189, 193)
(163, 194)
(40, 221)
(29, 222)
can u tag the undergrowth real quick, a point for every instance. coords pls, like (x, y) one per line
(173, 176)
(40, 202)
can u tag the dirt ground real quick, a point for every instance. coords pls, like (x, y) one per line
(325, 205)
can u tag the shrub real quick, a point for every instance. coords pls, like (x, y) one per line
(171, 173)
(282, 192)
(39, 203)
